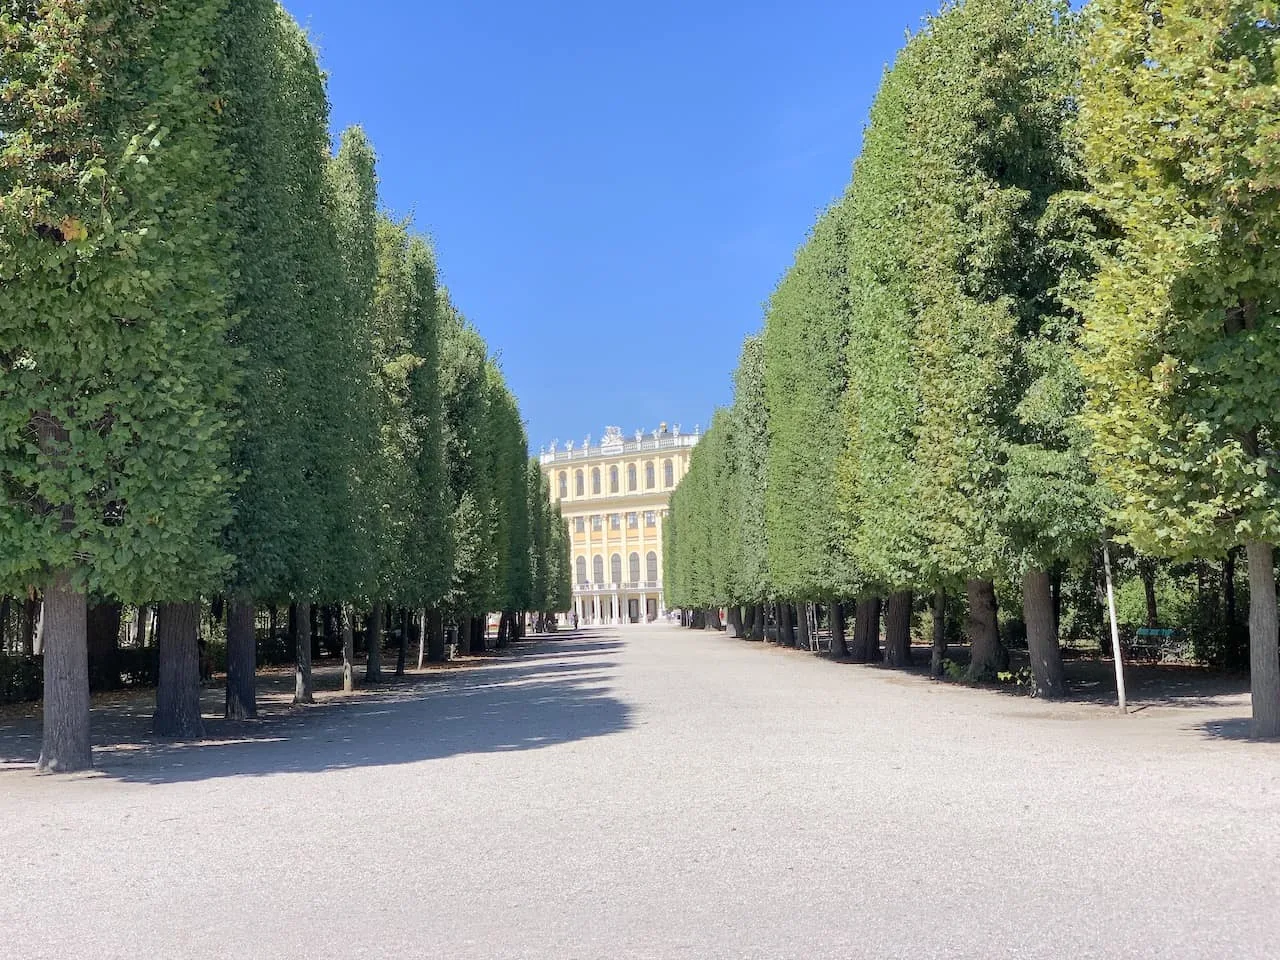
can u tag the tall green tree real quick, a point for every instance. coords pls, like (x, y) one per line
(115, 379)
(284, 295)
(805, 343)
(1180, 102)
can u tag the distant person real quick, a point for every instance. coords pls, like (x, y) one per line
(573, 617)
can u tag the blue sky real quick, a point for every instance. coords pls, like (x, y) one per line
(613, 190)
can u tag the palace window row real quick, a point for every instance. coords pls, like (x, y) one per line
(597, 483)
(615, 521)
(615, 568)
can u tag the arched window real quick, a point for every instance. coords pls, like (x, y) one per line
(649, 480)
(615, 568)
(597, 569)
(578, 485)
(582, 569)
(564, 484)
(651, 565)
(631, 477)
(668, 473)
(595, 481)
(633, 562)
(613, 479)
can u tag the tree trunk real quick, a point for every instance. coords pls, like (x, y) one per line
(421, 616)
(480, 634)
(938, 653)
(300, 623)
(505, 626)
(178, 690)
(897, 629)
(347, 616)
(786, 625)
(734, 616)
(1264, 641)
(757, 622)
(839, 645)
(435, 636)
(373, 640)
(1055, 582)
(866, 631)
(1229, 587)
(988, 655)
(66, 744)
(804, 636)
(402, 646)
(1042, 635)
(1148, 576)
(30, 614)
(242, 656)
(104, 646)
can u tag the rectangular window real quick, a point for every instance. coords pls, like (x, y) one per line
(633, 521)
(596, 523)
(650, 518)
(615, 521)
(579, 524)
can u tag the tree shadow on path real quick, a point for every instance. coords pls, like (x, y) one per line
(540, 693)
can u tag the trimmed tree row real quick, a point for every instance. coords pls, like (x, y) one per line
(1040, 316)
(225, 374)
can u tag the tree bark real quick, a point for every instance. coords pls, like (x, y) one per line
(373, 640)
(300, 623)
(1229, 587)
(178, 690)
(436, 652)
(786, 625)
(1042, 634)
(104, 645)
(897, 629)
(866, 631)
(1264, 641)
(803, 634)
(988, 655)
(30, 614)
(480, 634)
(757, 622)
(66, 745)
(839, 645)
(1148, 576)
(242, 656)
(347, 617)
(402, 646)
(938, 652)
(1055, 583)
(734, 616)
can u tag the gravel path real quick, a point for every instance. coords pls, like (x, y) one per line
(653, 792)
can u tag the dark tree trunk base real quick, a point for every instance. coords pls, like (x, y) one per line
(897, 629)
(866, 631)
(839, 645)
(989, 655)
(1264, 637)
(178, 690)
(1042, 635)
(938, 652)
(66, 746)
(373, 666)
(242, 657)
(300, 623)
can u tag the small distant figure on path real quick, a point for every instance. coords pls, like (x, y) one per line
(574, 617)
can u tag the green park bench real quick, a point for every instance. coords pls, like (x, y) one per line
(1155, 643)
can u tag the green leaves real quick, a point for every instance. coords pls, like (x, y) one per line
(1182, 341)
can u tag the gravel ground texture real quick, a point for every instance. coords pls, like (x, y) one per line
(657, 792)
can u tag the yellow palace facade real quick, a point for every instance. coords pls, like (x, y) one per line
(614, 496)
